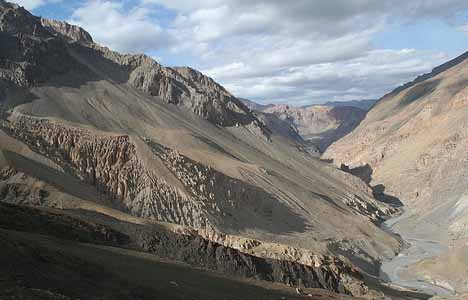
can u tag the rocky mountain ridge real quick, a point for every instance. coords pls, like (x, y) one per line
(179, 86)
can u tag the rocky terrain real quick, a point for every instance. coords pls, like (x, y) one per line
(318, 125)
(414, 143)
(171, 181)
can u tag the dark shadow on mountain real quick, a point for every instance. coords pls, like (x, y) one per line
(216, 147)
(34, 220)
(62, 181)
(419, 91)
(11, 96)
(325, 139)
(356, 256)
(436, 71)
(88, 65)
(378, 191)
(363, 172)
(243, 204)
(457, 87)
(281, 127)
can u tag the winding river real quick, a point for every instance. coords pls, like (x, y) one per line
(419, 249)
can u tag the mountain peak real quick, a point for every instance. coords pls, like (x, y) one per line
(28, 62)
(72, 32)
(14, 19)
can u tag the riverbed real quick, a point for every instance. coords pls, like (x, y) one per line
(393, 270)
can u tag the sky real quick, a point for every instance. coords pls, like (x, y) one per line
(280, 51)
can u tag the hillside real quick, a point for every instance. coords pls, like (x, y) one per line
(414, 140)
(168, 162)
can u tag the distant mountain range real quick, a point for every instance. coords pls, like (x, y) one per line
(318, 125)
(362, 104)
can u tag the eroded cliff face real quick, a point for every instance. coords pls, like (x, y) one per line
(112, 165)
(209, 202)
(331, 274)
(16, 187)
(205, 249)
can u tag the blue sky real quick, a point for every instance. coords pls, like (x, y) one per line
(297, 52)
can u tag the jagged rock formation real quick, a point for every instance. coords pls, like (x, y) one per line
(414, 141)
(26, 47)
(126, 142)
(66, 30)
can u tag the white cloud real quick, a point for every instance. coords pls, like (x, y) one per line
(120, 28)
(367, 76)
(275, 50)
(33, 4)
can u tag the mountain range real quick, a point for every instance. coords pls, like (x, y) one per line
(111, 163)
(121, 178)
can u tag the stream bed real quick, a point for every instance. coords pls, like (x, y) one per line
(391, 270)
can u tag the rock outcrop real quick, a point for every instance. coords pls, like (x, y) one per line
(112, 165)
(75, 33)
(26, 48)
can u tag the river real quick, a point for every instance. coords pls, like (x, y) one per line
(419, 249)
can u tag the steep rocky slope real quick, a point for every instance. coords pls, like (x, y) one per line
(122, 143)
(319, 126)
(414, 140)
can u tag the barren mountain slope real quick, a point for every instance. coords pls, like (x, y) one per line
(318, 125)
(415, 141)
(91, 131)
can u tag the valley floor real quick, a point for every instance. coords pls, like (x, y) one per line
(422, 245)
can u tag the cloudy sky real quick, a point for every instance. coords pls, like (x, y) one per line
(281, 51)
